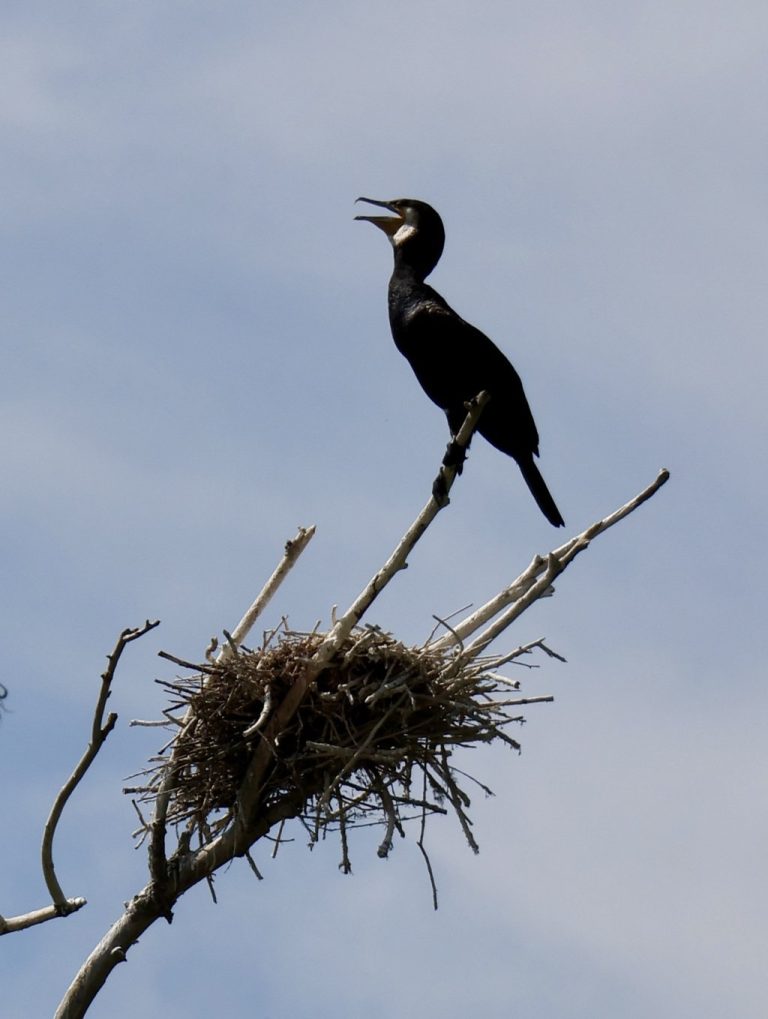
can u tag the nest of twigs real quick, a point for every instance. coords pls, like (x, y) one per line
(371, 743)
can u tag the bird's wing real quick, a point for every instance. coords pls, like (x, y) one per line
(454, 361)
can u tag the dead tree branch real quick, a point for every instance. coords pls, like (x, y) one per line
(100, 730)
(11, 924)
(293, 549)
(535, 581)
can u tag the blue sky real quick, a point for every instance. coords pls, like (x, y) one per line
(197, 359)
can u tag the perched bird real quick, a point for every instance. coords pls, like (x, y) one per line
(452, 359)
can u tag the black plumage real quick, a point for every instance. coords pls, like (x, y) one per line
(452, 359)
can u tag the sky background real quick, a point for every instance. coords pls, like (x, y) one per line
(196, 359)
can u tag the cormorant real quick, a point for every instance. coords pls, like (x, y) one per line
(452, 359)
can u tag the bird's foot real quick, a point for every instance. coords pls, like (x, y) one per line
(455, 455)
(440, 490)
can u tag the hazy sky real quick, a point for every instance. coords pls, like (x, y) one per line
(196, 359)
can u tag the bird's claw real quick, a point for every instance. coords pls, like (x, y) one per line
(440, 490)
(455, 455)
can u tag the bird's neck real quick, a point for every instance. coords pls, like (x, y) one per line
(407, 294)
(406, 284)
(415, 261)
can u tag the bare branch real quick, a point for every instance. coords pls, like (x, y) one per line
(99, 732)
(422, 833)
(467, 626)
(10, 924)
(534, 592)
(293, 549)
(398, 560)
(517, 593)
(524, 649)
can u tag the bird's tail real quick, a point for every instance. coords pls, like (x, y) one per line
(540, 492)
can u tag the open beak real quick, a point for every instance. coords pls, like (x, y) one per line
(388, 224)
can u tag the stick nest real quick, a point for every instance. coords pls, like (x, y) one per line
(371, 742)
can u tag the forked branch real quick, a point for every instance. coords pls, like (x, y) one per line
(535, 581)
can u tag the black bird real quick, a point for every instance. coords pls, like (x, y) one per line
(452, 359)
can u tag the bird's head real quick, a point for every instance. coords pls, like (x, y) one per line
(415, 231)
